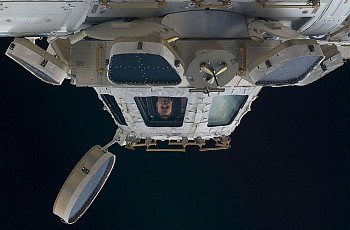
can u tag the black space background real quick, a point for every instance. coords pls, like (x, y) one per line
(288, 168)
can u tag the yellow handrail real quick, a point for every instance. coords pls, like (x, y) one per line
(127, 5)
(199, 4)
(315, 4)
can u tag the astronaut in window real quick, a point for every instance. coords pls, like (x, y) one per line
(162, 111)
(164, 107)
(169, 108)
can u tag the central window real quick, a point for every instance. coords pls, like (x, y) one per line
(162, 111)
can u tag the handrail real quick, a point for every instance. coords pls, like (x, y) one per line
(142, 5)
(315, 4)
(199, 4)
(99, 50)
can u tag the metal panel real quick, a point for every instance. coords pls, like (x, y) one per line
(207, 24)
(333, 16)
(33, 18)
(88, 62)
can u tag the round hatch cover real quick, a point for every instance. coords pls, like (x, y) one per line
(83, 184)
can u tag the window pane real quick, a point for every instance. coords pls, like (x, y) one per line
(114, 108)
(291, 71)
(141, 69)
(162, 111)
(224, 109)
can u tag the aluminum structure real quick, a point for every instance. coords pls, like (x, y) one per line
(181, 71)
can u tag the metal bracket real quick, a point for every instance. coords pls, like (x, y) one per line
(208, 90)
(221, 143)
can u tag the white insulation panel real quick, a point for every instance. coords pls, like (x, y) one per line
(30, 18)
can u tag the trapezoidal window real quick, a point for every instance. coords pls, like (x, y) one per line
(162, 111)
(136, 68)
(112, 105)
(291, 72)
(224, 109)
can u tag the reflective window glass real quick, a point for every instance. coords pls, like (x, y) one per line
(224, 109)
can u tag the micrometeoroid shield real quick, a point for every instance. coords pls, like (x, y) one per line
(83, 184)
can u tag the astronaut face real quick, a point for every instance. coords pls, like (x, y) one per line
(164, 106)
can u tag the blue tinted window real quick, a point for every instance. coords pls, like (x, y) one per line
(110, 102)
(141, 69)
(290, 72)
